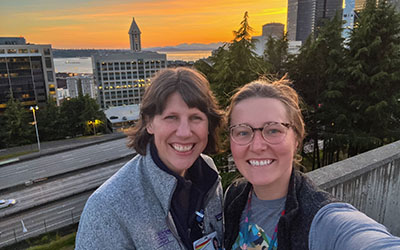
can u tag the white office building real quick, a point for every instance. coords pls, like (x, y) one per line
(121, 77)
(81, 85)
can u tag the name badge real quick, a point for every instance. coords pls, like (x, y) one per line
(208, 242)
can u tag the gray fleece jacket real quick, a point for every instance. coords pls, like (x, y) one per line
(131, 209)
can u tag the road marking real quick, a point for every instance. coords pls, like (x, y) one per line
(65, 210)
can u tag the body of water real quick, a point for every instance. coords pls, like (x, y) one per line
(84, 64)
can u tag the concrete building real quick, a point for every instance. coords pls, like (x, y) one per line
(351, 11)
(81, 85)
(122, 117)
(276, 31)
(304, 16)
(122, 76)
(26, 72)
(134, 37)
(12, 41)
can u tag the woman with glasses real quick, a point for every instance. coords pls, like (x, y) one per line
(275, 206)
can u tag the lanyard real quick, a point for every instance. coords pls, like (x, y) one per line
(246, 220)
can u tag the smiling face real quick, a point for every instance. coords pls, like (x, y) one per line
(268, 167)
(180, 134)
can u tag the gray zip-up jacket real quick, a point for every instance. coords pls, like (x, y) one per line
(131, 209)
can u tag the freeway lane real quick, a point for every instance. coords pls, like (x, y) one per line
(51, 165)
(41, 193)
(42, 219)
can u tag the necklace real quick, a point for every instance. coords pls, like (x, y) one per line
(246, 220)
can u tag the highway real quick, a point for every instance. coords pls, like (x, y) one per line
(61, 163)
(42, 219)
(42, 193)
(68, 179)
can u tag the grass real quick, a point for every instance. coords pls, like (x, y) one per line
(15, 155)
(62, 239)
(66, 242)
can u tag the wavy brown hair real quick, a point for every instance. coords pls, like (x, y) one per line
(195, 91)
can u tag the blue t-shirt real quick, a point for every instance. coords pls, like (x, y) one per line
(264, 216)
(341, 226)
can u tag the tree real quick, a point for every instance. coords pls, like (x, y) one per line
(76, 112)
(276, 56)
(318, 75)
(17, 124)
(49, 121)
(2, 132)
(234, 64)
(374, 77)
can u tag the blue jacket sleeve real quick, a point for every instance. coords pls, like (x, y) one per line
(100, 227)
(341, 226)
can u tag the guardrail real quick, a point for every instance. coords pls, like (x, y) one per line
(370, 181)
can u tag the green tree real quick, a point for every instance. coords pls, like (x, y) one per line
(318, 75)
(234, 64)
(374, 77)
(276, 56)
(2, 132)
(76, 112)
(17, 124)
(49, 125)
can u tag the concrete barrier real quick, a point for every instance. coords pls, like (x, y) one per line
(370, 181)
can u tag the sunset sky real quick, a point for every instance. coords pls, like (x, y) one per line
(105, 23)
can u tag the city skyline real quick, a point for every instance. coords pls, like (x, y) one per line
(102, 24)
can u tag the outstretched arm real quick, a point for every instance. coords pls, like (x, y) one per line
(341, 226)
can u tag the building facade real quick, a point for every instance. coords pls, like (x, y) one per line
(304, 16)
(81, 85)
(121, 77)
(26, 73)
(274, 30)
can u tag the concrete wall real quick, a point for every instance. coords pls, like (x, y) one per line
(370, 181)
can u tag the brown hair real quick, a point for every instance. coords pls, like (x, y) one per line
(279, 90)
(195, 91)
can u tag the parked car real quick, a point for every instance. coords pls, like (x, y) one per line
(7, 203)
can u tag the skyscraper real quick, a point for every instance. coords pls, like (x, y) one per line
(304, 16)
(26, 72)
(121, 77)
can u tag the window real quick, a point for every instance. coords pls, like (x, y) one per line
(2, 51)
(50, 76)
(22, 51)
(34, 51)
(11, 51)
(48, 62)
(46, 51)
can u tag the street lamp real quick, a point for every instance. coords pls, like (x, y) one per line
(33, 109)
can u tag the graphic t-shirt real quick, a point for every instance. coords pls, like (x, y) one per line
(257, 233)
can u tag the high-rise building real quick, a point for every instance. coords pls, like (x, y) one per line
(274, 30)
(81, 85)
(26, 72)
(122, 76)
(134, 36)
(305, 16)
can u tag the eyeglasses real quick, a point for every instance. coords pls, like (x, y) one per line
(272, 132)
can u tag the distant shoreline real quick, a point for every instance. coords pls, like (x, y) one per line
(70, 53)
